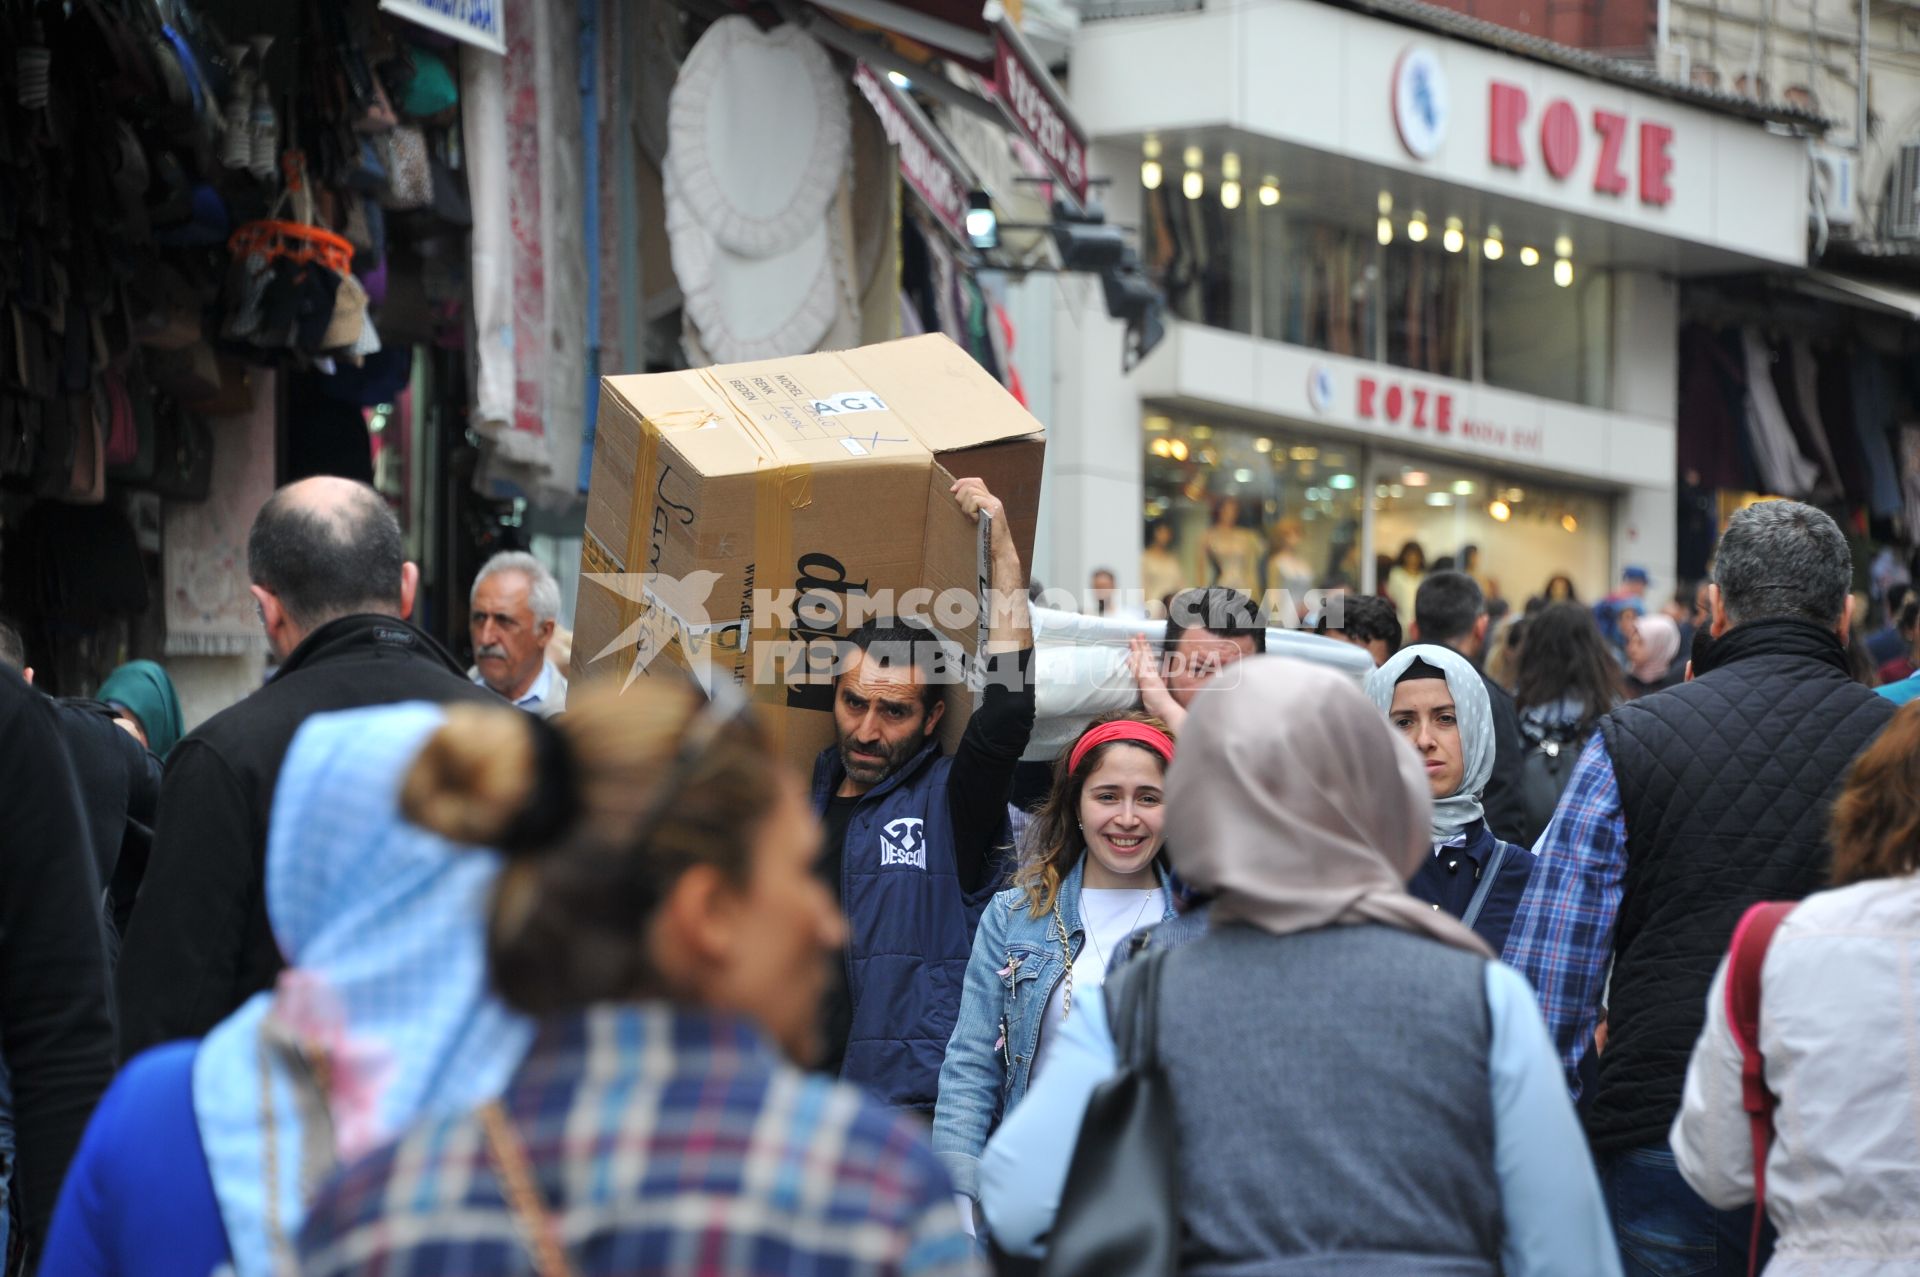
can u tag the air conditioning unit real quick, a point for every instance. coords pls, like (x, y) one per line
(1833, 174)
(1903, 194)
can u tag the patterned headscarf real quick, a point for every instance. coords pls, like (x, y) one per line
(1473, 712)
(383, 1014)
(1291, 803)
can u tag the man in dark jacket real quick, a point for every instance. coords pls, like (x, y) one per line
(1685, 808)
(56, 1034)
(910, 835)
(1451, 611)
(330, 578)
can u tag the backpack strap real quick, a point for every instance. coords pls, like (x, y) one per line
(1746, 956)
(1501, 850)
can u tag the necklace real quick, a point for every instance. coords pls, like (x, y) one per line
(1066, 945)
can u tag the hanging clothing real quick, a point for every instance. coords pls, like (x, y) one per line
(1872, 423)
(1782, 469)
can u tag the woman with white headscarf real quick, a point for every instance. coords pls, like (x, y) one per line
(1360, 1089)
(1438, 703)
(1652, 645)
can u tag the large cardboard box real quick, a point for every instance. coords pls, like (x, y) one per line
(740, 515)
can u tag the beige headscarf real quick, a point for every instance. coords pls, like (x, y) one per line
(1292, 803)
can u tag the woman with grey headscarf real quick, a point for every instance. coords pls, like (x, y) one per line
(1438, 703)
(1360, 1090)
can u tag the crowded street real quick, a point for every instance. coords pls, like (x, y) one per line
(959, 638)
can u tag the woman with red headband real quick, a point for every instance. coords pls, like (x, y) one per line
(1091, 874)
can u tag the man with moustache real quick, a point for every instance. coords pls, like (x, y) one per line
(910, 847)
(513, 610)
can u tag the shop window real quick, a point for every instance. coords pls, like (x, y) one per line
(1524, 533)
(1320, 284)
(1202, 255)
(1543, 339)
(1429, 322)
(1258, 510)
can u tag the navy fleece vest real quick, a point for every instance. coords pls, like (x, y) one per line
(910, 927)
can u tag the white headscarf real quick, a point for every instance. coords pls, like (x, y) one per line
(1471, 710)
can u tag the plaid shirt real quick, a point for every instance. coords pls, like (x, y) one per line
(664, 1141)
(1562, 937)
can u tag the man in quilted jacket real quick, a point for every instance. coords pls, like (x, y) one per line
(1686, 807)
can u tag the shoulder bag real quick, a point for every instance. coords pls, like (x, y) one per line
(1748, 953)
(1119, 1211)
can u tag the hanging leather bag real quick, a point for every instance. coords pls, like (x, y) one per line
(1119, 1212)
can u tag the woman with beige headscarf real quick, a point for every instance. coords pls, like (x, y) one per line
(1360, 1088)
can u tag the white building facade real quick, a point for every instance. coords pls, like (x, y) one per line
(1421, 289)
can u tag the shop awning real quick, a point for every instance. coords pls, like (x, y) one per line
(1885, 299)
(956, 29)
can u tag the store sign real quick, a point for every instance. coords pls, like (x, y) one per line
(1420, 105)
(1030, 99)
(927, 163)
(1612, 148)
(481, 23)
(1432, 410)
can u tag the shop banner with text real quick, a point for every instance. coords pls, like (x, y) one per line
(1027, 93)
(927, 164)
(476, 22)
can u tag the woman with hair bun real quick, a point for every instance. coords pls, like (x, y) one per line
(660, 914)
(1093, 874)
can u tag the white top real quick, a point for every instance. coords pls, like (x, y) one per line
(546, 696)
(1109, 915)
(1840, 1033)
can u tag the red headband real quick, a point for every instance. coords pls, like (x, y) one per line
(1125, 729)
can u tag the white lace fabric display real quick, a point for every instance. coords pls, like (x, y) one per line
(759, 142)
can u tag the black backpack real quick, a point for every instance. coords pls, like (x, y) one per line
(1551, 753)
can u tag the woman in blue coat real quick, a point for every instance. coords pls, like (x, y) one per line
(1092, 875)
(1437, 701)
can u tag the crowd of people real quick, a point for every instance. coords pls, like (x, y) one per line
(1468, 967)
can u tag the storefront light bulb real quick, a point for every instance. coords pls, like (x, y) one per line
(1416, 478)
(1243, 475)
(1500, 511)
(1563, 273)
(1417, 228)
(1395, 490)
(1439, 498)
(1529, 256)
(1563, 247)
(1386, 203)
(1341, 482)
(1195, 157)
(1454, 239)
(1193, 186)
(1263, 444)
(899, 81)
(1570, 523)
(1270, 192)
(1230, 167)
(1178, 449)
(1383, 230)
(1493, 248)
(1304, 453)
(1150, 174)
(1463, 488)
(1230, 194)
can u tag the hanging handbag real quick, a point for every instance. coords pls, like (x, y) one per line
(183, 454)
(409, 169)
(1119, 1211)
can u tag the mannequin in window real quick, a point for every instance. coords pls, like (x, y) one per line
(1233, 552)
(1287, 568)
(1161, 576)
(1403, 582)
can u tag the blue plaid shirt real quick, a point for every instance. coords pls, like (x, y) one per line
(663, 1141)
(1562, 937)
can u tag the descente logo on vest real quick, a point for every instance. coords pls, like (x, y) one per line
(904, 842)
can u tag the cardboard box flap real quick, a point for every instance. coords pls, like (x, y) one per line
(944, 397)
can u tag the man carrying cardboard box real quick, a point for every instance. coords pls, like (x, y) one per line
(911, 835)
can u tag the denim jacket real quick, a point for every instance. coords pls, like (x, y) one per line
(1016, 963)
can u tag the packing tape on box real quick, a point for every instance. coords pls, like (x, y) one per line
(639, 523)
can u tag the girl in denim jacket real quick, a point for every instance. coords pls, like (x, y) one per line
(1093, 874)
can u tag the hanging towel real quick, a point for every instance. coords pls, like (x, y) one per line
(1825, 380)
(1782, 468)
